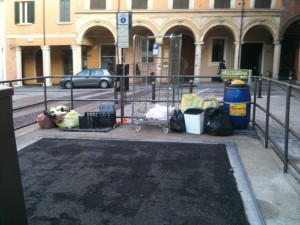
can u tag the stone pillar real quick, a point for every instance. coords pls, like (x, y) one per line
(276, 59)
(197, 63)
(77, 58)
(47, 64)
(236, 55)
(19, 65)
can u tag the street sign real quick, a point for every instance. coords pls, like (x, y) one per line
(234, 74)
(123, 23)
(123, 18)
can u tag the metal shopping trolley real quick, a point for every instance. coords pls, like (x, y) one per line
(156, 77)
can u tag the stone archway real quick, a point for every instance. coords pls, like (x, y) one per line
(290, 50)
(98, 48)
(187, 50)
(258, 50)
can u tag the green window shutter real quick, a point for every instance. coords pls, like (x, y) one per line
(30, 12)
(17, 13)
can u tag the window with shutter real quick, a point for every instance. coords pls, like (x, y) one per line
(265, 4)
(222, 4)
(64, 10)
(24, 12)
(97, 4)
(139, 4)
(180, 4)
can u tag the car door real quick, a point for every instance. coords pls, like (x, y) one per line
(81, 79)
(95, 77)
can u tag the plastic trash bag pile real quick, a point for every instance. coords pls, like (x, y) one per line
(216, 120)
(58, 116)
(159, 112)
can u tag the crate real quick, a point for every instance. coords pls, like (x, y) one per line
(107, 115)
(90, 120)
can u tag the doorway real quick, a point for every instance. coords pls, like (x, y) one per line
(252, 57)
(39, 71)
(187, 56)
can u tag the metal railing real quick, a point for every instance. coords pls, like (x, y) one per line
(287, 88)
(260, 84)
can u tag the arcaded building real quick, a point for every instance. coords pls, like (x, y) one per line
(57, 37)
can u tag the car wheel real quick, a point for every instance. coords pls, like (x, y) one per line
(104, 84)
(68, 84)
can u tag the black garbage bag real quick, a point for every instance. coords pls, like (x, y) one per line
(177, 123)
(217, 123)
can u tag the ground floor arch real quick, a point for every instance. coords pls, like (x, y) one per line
(258, 51)
(290, 51)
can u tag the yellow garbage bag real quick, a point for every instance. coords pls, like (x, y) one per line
(71, 119)
(212, 102)
(190, 101)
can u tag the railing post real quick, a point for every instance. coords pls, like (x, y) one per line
(287, 128)
(72, 95)
(254, 103)
(122, 90)
(267, 115)
(45, 93)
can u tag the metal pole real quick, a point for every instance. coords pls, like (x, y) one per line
(287, 128)
(241, 34)
(267, 115)
(122, 86)
(45, 93)
(254, 103)
(72, 97)
(116, 90)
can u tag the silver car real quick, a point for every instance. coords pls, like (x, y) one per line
(97, 77)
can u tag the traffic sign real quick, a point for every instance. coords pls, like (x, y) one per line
(123, 18)
(123, 23)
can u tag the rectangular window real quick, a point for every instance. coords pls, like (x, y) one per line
(218, 46)
(97, 4)
(108, 57)
(24, 12)
(263, 4)
(64, 11)
(181, 4)
(222, 4)
(139, 4)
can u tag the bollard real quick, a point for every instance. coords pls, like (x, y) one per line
(116, 90)
(259, 88)
(153, 90)
(191, 86)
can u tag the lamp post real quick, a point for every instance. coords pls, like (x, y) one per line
(242, 4)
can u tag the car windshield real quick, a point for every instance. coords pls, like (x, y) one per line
(83, 73)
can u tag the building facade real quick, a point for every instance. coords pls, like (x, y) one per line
(58, 37)
(2, 42)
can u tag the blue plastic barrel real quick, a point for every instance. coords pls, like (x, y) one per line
(237, 103)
